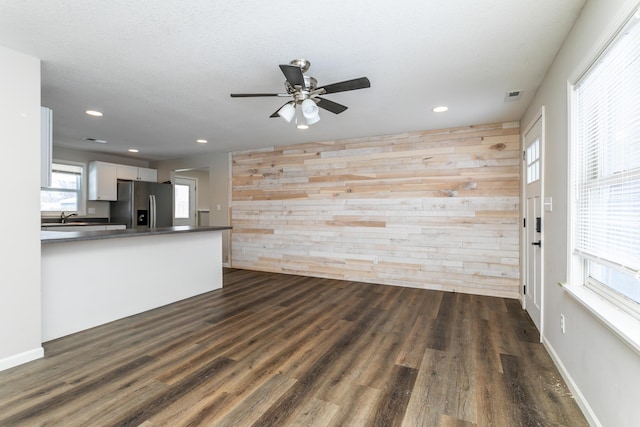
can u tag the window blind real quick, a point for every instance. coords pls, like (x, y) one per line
(607, 155)
(64, 168)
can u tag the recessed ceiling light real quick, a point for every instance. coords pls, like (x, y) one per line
(94, 113)
(440, 109)
(201, 141)
(134, 150)
(100, 141)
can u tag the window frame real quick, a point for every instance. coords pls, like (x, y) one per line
(82, 199)
(178, 205)
(617, 312)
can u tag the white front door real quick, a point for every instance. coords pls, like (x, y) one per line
(533, 221)
(185, 201)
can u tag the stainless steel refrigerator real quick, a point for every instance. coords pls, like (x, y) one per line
(143, 204)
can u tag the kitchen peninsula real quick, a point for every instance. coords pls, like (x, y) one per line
(94, 277)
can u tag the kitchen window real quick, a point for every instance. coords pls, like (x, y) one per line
(605, 221)
(65, 192)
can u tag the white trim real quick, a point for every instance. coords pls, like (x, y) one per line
(571, 180)
(21, 358)
(539, 117)
(192, 182)
(588, 413)
(229, 208)
(607, 36)
(613, 297)
(622, 324)
(532, 123)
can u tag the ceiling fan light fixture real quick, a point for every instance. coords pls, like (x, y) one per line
(313, 119)
(309, 108)
(287, 111)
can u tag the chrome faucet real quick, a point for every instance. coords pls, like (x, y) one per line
(63, 217)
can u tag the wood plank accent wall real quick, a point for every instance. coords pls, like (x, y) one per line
(432, 209)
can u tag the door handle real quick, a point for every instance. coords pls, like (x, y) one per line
(538, 243)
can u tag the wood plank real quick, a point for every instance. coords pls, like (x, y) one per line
(274, 349)
(394, 189)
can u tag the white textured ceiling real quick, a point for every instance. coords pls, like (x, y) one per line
(162, 71)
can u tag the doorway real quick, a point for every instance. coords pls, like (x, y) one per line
(185, 194)
(533, 289)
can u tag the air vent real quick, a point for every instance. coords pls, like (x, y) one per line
(99, 141)
(513, 95)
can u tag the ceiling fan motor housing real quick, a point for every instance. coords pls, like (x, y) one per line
(302, 63)
(300, 93)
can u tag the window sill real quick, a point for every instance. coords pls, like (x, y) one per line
(622, 324)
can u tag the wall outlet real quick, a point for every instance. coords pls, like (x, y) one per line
(562, 323)
(92, 210)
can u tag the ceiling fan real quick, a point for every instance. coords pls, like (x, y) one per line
(305, 93)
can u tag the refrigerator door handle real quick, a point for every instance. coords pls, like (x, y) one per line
(155, 212)
(152, 211)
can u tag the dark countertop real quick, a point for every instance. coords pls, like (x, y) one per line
(76, 236)
(77, 224)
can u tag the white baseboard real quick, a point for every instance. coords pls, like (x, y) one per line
(19, 359)
(577, 394)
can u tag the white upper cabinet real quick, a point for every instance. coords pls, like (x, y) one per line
(133, 173)
(103, 178)
(127, 172)
(146, 174)
(103, 181)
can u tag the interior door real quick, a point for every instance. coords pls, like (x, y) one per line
(533, 222)
(185, 192)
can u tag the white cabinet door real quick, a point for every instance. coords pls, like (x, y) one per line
(133, 173)
(103, 181)
(127, 172)
(146, 174)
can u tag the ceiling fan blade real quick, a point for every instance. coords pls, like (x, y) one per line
(354, 84)
(334, 107)
(293, 74)
(275, 114)
(251, 95)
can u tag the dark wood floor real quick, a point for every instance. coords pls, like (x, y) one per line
(278, 350)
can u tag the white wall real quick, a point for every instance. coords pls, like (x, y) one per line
(20, 316)
(604, 371)
(218, 164)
